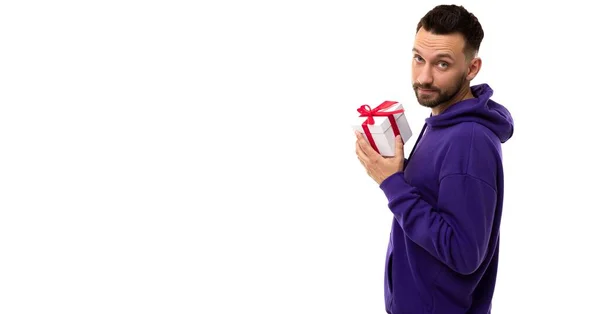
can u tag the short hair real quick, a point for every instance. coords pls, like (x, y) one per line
(448, 19)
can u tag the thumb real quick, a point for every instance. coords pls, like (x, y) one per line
(399, 147)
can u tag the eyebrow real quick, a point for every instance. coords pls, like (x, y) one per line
(441, 55)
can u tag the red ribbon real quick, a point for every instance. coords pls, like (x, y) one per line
(366, 111)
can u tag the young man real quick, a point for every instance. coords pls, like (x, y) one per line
(446, 198)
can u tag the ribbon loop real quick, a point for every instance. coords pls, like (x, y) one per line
(366, 111)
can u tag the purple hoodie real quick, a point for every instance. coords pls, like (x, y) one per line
(447, 204)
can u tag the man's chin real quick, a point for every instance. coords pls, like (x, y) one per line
(428, 103)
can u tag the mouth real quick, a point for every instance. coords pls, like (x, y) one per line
(427, 91)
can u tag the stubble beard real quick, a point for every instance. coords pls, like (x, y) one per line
(442, 97)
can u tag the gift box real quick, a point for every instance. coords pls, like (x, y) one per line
(381, 124)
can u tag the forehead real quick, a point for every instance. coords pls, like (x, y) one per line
(431, 45)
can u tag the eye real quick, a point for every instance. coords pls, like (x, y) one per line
(418, 58)
(444, 65)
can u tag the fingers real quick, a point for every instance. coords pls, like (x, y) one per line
(366, 148)
(399, 147)
(362, 157)
(361, 154)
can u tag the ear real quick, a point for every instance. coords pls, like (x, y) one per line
(474, 67)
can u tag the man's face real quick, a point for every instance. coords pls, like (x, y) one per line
(439, 67)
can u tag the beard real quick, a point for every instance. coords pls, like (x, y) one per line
(439, 96)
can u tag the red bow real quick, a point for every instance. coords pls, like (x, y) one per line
(366, 111)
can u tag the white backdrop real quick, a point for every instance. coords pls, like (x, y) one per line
(177, 157)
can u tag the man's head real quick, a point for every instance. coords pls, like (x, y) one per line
(445, 55)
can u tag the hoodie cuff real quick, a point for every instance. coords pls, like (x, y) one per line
(394, 185)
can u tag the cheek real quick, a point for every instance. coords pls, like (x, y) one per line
(448, 79)
(443, 81)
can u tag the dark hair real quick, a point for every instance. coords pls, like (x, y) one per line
(447, 19)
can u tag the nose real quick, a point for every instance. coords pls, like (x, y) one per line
(425, 77)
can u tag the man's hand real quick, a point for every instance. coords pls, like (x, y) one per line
(378, 167)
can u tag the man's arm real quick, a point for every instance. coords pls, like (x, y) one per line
(457, 230)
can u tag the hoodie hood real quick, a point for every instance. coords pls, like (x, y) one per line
(480, 109)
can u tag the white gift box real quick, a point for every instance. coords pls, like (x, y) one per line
(381, 130)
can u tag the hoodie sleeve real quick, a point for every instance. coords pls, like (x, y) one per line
(456, 230)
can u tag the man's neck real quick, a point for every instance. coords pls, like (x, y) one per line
(463, 94)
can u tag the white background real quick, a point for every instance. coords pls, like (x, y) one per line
(177, 157)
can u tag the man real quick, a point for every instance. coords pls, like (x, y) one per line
(446, 198)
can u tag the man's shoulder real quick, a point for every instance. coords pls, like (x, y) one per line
(472, 141)
(471, 132)
(472, 149)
